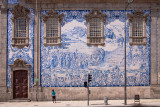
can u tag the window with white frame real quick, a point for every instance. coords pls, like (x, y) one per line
(137, 22)
(20, 27)
(95, 28)
(52, 28)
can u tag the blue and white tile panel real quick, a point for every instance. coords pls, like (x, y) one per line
(12, 1)
(68, 65)
(27, 53)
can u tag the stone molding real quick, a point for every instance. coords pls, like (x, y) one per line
(158, 51)
(20, 12)
(138, 14)
(154, 73)
(95, 14)
(87, 1)
(20, 64)
(52, 14)
(37, 44)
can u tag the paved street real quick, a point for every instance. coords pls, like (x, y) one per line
(93, 103)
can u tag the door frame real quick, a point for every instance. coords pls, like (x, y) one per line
(20, 64)
(14, 83)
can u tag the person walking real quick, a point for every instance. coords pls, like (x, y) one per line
(53, 96)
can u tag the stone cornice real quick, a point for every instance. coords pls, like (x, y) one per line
(20, 11)
(20, 63)
(90, 1)
(52, 14)
(95, 14)
(138, 14)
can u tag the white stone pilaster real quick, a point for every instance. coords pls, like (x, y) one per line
(3, 54)
(154, 46)
(158, 31)
(37, 46)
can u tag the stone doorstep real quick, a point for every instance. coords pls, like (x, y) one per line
(19, 100)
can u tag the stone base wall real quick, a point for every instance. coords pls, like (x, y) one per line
(80, 93)
(3, 94)
(97, 93)
(155, 91)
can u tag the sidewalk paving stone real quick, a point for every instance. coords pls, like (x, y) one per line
(93, 103)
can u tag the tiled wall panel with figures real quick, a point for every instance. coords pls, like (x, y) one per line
(68, 65)
(26, 53)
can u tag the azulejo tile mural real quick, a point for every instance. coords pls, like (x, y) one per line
(26, 53)
(12, 1)
(68, 65)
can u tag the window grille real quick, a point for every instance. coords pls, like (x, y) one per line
(95, 28)
(52, 28)
(137, 23)
(20, 27)
(137, 27)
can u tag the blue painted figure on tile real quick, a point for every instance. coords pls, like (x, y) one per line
(67, 65)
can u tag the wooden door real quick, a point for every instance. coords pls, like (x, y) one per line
(20, 84)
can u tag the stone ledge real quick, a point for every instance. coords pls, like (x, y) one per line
(89, 1)
(20, 100)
